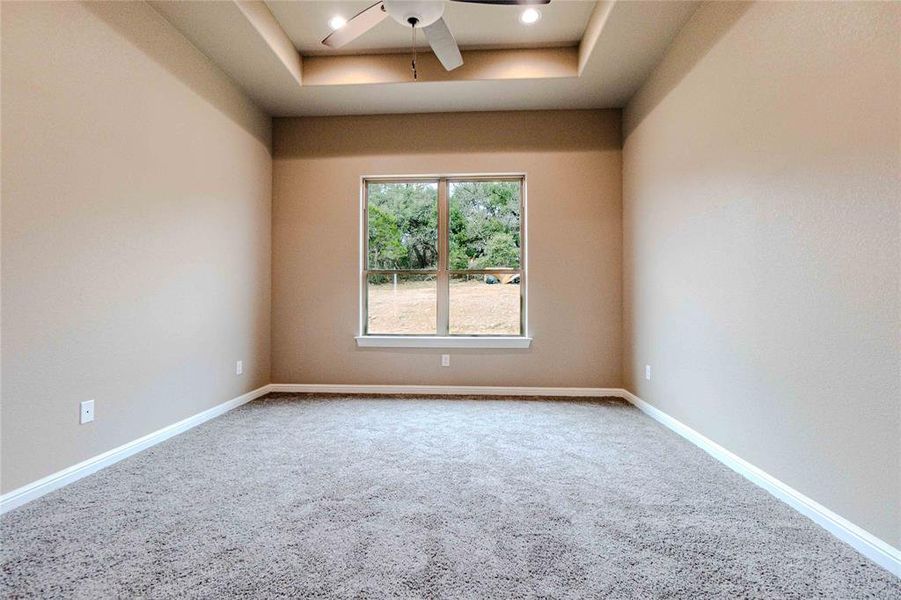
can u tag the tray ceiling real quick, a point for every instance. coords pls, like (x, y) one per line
(579, 55)
(474, 26)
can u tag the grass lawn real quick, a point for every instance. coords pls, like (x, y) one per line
(475, 308)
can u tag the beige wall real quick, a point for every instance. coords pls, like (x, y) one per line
(761, 252)
(573, 165)
(135, 237)
(760, 257)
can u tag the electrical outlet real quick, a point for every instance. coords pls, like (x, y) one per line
(647, 372)
(445, 360)
(239, 367)
(87, 411)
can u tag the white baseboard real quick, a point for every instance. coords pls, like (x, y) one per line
(38, 488)
(450, 390)
(877, 550)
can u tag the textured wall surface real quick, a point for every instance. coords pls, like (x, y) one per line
(135, 236)
(573, 164)
(761, 245)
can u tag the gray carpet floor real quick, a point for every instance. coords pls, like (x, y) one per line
(324, 497)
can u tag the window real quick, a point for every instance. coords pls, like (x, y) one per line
(443, 262)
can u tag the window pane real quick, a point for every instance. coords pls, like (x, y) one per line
(403, 225)
(484, 304)
(402, 304)
(484, 224)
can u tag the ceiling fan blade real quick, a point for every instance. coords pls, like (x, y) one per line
(443, 44)
(356, 26)
(505, 2)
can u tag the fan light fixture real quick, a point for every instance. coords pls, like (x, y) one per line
(530, 16)
(425, 15)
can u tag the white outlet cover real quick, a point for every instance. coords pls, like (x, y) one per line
(239, 367)
(87, 412)
(445, 360)
(647, 372)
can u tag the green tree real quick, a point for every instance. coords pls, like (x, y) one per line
(482, 211)
(484, 225)
(500, 251)
(414, 210)
(385, 248)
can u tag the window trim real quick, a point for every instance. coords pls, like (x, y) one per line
(442, 339)
(437, 341)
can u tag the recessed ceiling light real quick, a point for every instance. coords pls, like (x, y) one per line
(337, 22)
(529, 16)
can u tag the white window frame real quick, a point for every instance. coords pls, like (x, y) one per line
(443, 339)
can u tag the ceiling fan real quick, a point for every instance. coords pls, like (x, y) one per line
(416, 14)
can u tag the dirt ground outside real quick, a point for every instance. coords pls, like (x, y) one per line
(475, 308)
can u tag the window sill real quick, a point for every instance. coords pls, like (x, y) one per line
(435, 341)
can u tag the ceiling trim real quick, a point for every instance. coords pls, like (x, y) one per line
(478, 65)
(596, 23)
(270, 30)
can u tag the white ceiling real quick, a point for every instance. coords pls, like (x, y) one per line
(473, 25)
(633, 37)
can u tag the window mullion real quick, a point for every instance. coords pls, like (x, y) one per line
(443, 248)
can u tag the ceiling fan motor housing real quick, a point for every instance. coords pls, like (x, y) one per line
(420, 13)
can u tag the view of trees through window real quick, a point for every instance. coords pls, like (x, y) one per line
(403, 225)
(480, 284)
(484, 224)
